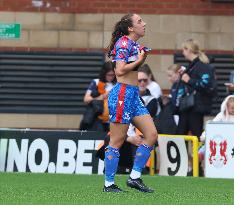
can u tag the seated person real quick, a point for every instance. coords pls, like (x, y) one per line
(152, 85)
(150, 101)
(97, 93)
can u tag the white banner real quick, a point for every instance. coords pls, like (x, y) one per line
(173, 156)
(50, 151)
(219, 156)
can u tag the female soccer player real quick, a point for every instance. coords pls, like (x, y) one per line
(124, 103)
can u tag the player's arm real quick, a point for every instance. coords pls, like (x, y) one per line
(122, 67)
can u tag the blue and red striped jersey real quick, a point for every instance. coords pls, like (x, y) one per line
(126, 50)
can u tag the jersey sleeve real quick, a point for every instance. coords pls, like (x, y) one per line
(122, 48)
(92, 87)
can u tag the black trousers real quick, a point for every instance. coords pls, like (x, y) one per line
(190, 121)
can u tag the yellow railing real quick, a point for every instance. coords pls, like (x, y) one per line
(194, 140)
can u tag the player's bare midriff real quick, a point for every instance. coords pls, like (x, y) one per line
(129, 78)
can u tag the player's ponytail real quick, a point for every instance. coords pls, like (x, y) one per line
(120, 29)
(203, 57)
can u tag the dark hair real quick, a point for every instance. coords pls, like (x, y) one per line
(146, 69)
(107, 67)
(120, 29)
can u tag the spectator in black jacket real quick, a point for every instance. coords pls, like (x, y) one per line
(198, 79)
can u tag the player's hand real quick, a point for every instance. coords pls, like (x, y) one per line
(142, 56)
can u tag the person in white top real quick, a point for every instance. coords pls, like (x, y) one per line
(226, 114)
(155, 89)
(153, 86)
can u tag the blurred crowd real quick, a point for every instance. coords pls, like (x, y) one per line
(181, 111)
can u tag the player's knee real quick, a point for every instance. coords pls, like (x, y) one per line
(116, 143)
(153, 136)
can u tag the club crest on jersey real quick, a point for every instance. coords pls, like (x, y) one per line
(124, 44)
(120, 102)
(126, 116)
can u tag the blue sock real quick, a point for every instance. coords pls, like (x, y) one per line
(111, 163)
(142, 156)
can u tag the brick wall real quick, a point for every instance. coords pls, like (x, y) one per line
(88, 32)
(197, 7)
(67, 25)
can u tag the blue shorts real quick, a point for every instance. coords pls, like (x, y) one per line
(124, 103)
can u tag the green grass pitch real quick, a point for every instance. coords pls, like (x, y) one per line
(56, 189)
